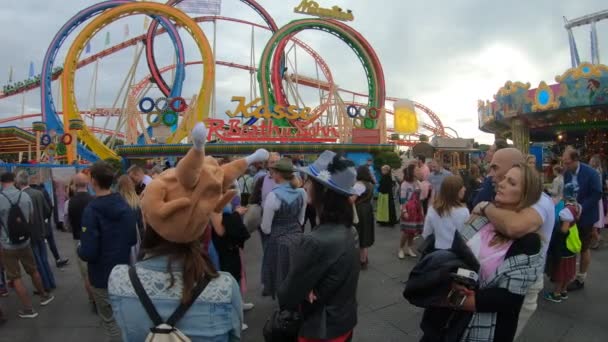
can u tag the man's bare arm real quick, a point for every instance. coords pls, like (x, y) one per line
(513, 224)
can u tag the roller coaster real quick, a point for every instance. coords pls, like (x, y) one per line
(278, 84)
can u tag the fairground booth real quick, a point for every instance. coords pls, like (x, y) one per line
(543, 120)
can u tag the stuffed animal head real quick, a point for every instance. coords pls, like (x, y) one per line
(180, 202)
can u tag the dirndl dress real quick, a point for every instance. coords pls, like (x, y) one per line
(413, 222)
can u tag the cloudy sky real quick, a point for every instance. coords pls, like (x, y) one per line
(444, 54)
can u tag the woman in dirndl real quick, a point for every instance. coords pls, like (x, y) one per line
(282, 220)
(412, 216)
(386, 213)
(365, 212)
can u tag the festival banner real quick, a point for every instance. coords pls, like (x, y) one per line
(107, 38)
(10, 74)
(88, 48)
(203, 7)
(31, 73)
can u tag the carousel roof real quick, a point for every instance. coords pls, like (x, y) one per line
(577, 102)
(14, 140)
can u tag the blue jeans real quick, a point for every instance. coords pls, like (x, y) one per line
(42, 262)
(214, 256)
(2, 278)
(50, 238)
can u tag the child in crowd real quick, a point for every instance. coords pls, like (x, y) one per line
(562, 260)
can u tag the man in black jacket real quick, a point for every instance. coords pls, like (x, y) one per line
(76, 207)
(108, 233)
(41, 210)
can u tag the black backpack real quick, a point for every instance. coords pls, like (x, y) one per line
(17, 225)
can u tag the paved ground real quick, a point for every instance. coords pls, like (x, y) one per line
(383, 314)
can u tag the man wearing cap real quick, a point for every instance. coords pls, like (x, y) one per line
(282, 220)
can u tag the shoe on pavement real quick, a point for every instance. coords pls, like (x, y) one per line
(244, 327)
(411, 253)
(28, 313)
(401, 254)
(564, 295)
(552, 297)
(248, 306)
(576, 285)
(44, 301)
(93, 307)
(3, 293)
(62, 262)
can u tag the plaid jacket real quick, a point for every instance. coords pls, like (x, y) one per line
(516, 274)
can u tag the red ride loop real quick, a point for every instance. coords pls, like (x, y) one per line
(178, 104)
(66, 138)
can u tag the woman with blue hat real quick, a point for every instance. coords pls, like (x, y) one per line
(322, 280)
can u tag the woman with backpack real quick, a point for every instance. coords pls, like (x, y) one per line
(175, 291)
(412, 216)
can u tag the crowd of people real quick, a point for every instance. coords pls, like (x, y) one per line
(172, 239)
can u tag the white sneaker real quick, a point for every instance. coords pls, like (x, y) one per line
(248, 306)
(401, 255)
(244, 327)
(411, 253)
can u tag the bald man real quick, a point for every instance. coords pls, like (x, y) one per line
(517, 224)
(76, 207)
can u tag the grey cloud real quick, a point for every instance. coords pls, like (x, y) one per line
(425, 47)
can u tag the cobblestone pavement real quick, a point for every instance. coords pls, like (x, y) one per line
(383, 313)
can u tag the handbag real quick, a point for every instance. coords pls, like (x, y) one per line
(253, 217)
(573, 241)
(282, 326)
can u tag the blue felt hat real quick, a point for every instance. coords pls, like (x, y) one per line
(338, 179)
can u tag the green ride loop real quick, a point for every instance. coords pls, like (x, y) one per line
(267, 77)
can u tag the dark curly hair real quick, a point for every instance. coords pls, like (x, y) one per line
(364, 174)
(339, 164)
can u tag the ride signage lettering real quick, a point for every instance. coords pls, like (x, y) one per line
(253, 109)
(236, 131)
(312, 7)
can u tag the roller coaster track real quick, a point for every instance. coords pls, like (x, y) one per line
(325, 85)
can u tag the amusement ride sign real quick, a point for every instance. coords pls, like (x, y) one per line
(312, 8)
(235, 130)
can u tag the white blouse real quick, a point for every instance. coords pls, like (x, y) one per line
(444, 227)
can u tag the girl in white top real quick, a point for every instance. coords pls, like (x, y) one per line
(447, 214)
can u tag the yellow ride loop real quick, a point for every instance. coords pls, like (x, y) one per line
(70, 109)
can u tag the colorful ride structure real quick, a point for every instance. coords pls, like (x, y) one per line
(573, 110)
(152, 125)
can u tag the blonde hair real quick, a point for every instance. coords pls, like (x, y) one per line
(386, 168)
(126, 188)
(531, 186)
(531, 190)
